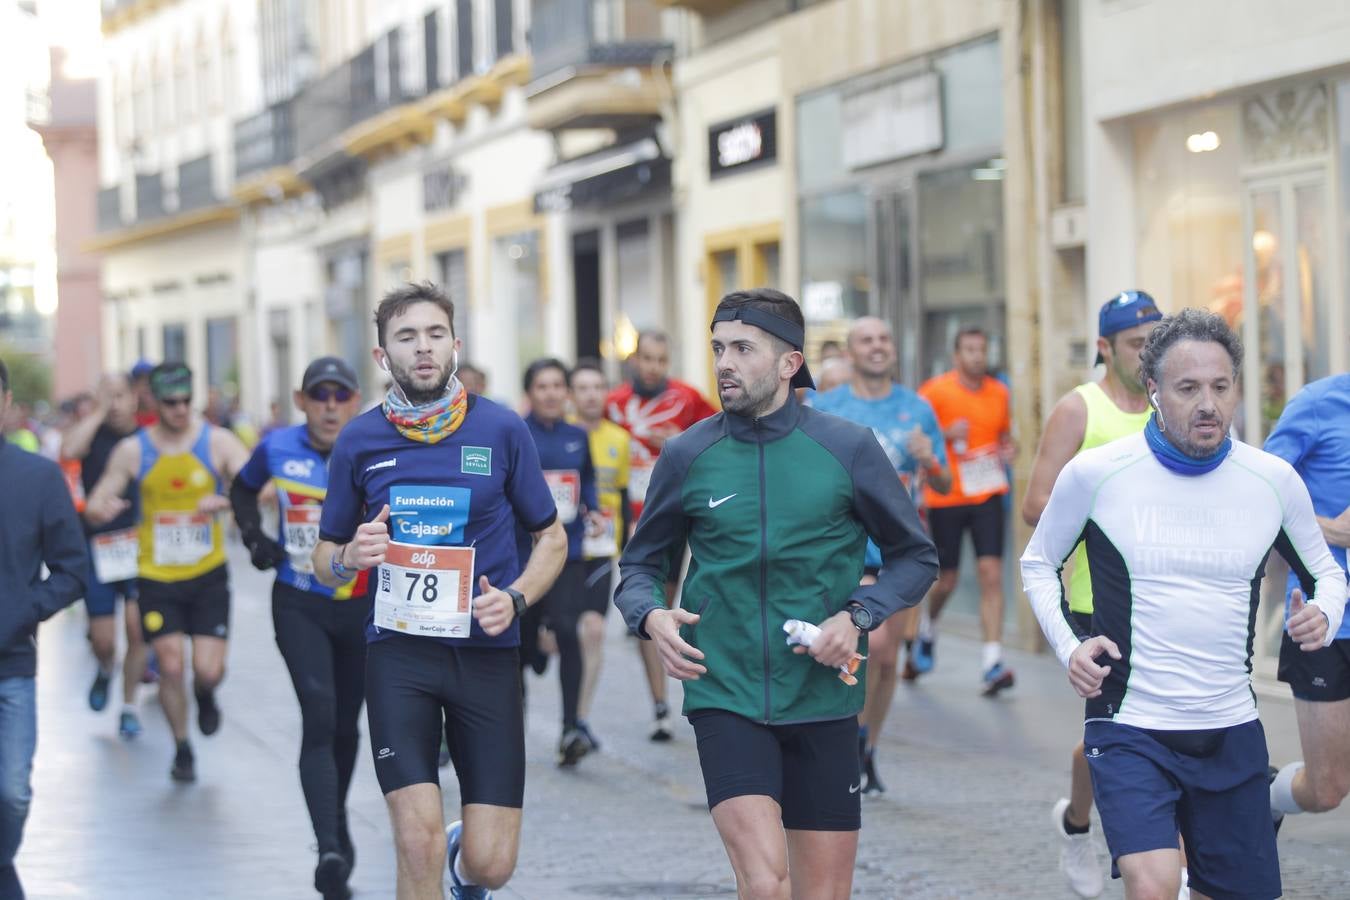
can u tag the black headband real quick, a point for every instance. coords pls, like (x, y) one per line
(784, 329)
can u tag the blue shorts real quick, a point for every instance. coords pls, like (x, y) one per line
(101, 599)
(1210, 786)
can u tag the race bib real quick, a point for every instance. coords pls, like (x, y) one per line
(565, 485)
(425, 590)
(982, 473)
(302, 536)
(604, 543)
(639, 477)
(115, 556)
(181, 539)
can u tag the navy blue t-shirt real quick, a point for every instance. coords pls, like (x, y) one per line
(467, 490)
(565, 455)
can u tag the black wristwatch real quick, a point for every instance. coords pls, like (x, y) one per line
(862, 617)
(517, 601)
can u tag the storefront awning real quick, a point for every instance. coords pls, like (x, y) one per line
(605, 177)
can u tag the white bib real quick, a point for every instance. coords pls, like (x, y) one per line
(639, 477)
(982, 473)
(604, 543)
(115, 556)
(302, 536)
(565, 485)
(181, 538)
(425, 591)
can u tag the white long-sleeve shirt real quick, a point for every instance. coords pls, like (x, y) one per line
(1176, 566)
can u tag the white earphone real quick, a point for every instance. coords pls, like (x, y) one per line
(1162, 424)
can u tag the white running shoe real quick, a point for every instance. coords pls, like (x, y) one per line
(1185, 892)
(1077, 856)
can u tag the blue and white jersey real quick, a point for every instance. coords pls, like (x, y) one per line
(1313, 436)
(467, 490)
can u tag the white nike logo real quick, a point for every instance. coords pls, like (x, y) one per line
(713, 504)
(853, 789)
(382, 465)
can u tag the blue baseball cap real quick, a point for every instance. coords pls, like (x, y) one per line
(1125, 310)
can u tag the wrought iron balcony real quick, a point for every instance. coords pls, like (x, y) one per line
(149, 197)
(264, 141)
(195, 187)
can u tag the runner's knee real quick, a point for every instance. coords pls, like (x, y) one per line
(491, 869)
(765, 884)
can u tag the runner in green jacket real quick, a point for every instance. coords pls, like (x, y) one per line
(775, 502)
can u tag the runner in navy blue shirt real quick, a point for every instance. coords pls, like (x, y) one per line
(564, 452)
(320, 631)
(429, 487)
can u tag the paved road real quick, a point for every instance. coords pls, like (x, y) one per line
(966, 815)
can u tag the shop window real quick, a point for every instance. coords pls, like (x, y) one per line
(820, 150)
(452, 267)
(639, 302)
(222, 353)
(175, 343)
(834, 240)
(972, 96)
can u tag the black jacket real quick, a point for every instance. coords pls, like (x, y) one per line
(38, 525)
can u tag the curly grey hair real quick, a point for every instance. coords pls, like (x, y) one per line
(1188, 325)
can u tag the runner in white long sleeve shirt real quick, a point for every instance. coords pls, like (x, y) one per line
(1178, 523)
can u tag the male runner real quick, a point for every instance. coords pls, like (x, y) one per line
(112, 549)
(1090, 415)
(38, 527)
(775, 501)
(654, 408)
(908, 431)
(321, 632)
(1178, 522)
(180, 467)
(565, 456)
(429, 486)
(1313, 435)
(973, 410)
(611, 451)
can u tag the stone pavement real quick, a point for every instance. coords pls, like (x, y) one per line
(970, 782)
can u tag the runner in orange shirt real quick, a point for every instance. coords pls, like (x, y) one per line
(972, 410)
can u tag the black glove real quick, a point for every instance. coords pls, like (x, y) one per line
(264, 552)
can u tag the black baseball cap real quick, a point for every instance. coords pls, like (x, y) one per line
(331, 369)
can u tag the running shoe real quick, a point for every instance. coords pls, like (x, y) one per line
(661, 730)
(459, 890)
(1077, 856)
(585, 729)
(924, 655)
(871, 783)
(98, 692)
(184, 769)
(208, 713)
(129, 726)
(997, 679)
(330, 876)
(572, 747)
(908, 672)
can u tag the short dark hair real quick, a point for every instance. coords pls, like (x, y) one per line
(4, 377)
(970, 331)
(1190, 324)
(397, 302)
(587, 364)
(533, 370)
(768, 300)
(470, 367)
(651, 334)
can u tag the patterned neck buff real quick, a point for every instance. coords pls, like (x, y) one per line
(427, 423)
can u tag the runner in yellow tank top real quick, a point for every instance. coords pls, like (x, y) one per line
(181, 467)
(1090, 415)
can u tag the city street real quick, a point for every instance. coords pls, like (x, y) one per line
(970, 783)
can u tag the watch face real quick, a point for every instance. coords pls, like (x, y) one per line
(862, 618)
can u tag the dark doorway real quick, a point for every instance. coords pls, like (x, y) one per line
(586, 290)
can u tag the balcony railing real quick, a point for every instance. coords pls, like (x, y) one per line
(195, 188)
(110, 208)
(264, 140)
(579, 34)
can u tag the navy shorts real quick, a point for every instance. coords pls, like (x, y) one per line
(1209, 786)
(810, 770)
(598, 588)
(1320, 676)
(101, 599)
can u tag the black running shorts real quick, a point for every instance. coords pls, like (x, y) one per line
(1320, 676)
(596, 591)
(197, 606)
(412, 682)
(810, 770)
(948, 524)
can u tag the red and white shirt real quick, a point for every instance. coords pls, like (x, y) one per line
(652, 421)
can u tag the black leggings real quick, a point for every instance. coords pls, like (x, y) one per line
(324, 644)
(559, 611)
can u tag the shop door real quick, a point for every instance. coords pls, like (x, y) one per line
(1286, 329)
(891, 250)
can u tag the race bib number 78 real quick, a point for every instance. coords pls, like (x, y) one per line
(426, 591)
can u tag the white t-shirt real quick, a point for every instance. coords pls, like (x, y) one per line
(1176, 566)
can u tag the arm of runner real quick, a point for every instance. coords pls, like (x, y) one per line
(1337, 530)
(1303, 546)
(265, 553)
(1056, 536)
(105, 502)
(64, 551)
(230, 456)
(932, 453)
(493, 607)
(1060, 440)
(78, 438)
(883, 506)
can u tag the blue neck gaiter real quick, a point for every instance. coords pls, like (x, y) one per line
(1176, 461)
